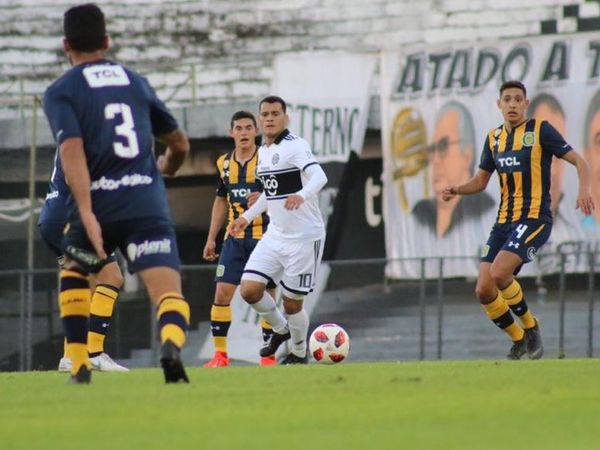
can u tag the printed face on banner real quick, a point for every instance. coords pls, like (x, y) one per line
(592, 149)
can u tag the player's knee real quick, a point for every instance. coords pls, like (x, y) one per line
(111, 274)
(501, 276)
(223, 296)
(250, 292)
(485, 293)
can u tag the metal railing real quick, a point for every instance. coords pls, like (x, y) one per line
(21, 283)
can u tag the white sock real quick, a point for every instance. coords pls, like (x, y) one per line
(298, 324)
(267, 309)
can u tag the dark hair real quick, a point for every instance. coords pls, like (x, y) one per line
(593, 108)
(513, 84)
(273, 99)
(546, 99)
(85, 28)
(242, 115)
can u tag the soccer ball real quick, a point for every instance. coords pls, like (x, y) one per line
(329, 344)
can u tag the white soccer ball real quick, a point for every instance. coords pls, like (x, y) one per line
(329, 344)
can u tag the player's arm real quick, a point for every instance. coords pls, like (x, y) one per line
(249, 215)
(217, 220)
(316, 180)
(77, 175)
(584, 198)
(476, 184)
(178, 146)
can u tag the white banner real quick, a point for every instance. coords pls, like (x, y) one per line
(328, 99)
(438, 103)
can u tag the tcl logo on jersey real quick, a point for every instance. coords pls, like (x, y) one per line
(102, 75)
(271, 185)
(509, 161)
(135, 251)
(241, 192)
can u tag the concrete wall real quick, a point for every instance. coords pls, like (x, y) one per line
(227, 46)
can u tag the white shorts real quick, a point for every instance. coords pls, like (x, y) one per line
(291, 263)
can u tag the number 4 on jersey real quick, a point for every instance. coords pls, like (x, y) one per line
(124, 129)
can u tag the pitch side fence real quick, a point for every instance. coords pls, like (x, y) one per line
(22, 304)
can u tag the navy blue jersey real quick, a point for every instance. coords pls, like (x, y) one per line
(115, 112)
(522, 159)
(55, 206)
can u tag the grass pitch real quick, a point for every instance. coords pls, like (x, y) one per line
(548, 404)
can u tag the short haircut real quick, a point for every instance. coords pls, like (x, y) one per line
(85, 28)
(466, 129)
(593, 109)
(242, 115)
(273, 99)
(513, 84)
(545, 99)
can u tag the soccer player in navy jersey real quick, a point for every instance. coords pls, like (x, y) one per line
(237, 188)
(521, 151)
(103, 117)
(107, 282)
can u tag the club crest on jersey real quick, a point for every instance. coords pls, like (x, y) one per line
(528, 139)
(531, 252)
(275, 159)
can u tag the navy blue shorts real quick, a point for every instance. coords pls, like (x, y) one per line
(234, 255)
(523, 238)
(52, 235)
(145, 242)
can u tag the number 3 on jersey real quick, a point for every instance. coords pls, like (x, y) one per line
(124, 129)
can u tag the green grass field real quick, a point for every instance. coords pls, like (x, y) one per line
(549, 404)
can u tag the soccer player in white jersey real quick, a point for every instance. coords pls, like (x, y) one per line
(291, 249)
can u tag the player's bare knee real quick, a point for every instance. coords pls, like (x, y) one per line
(292, 304)
(223, 295)
(501, 276)
(111, 274)
(484, 293)
(251, 292)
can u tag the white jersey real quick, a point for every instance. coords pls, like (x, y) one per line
(281, 168)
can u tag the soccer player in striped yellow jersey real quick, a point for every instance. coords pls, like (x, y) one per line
(237, 186)
(521, 151)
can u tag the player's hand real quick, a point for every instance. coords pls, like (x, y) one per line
(449, 193)
(293, 201)
(251, 198)
(585, 202)
(237, 226)
(209, 252)
(94, 233)
(161, 162)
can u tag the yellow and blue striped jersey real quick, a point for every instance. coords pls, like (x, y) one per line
(236, 181)
(522, 158)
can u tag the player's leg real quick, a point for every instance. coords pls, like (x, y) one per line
(52, 233)
(526, 239)
(220, 321)
(164, 288)
(301, 262)
(150, 248)
(107, 284)
(261, 268)
(490, 296)
(229, 272)
(267, 331)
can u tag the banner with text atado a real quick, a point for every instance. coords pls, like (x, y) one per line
(438, 104)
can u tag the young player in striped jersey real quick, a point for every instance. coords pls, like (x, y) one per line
(107, 283)
(521, 151)
(291, 249)
(103, 117)
(238, 186)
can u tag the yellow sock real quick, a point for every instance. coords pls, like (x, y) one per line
(513, 296)
(101, 311)
(499, 313)
(220, 321)
(74, 302)
(173, 318)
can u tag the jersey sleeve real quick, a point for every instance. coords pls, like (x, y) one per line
(302, 156)
(161, 118)
(221, 188)
(487, 160)
(61, 116)
(552, 141)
